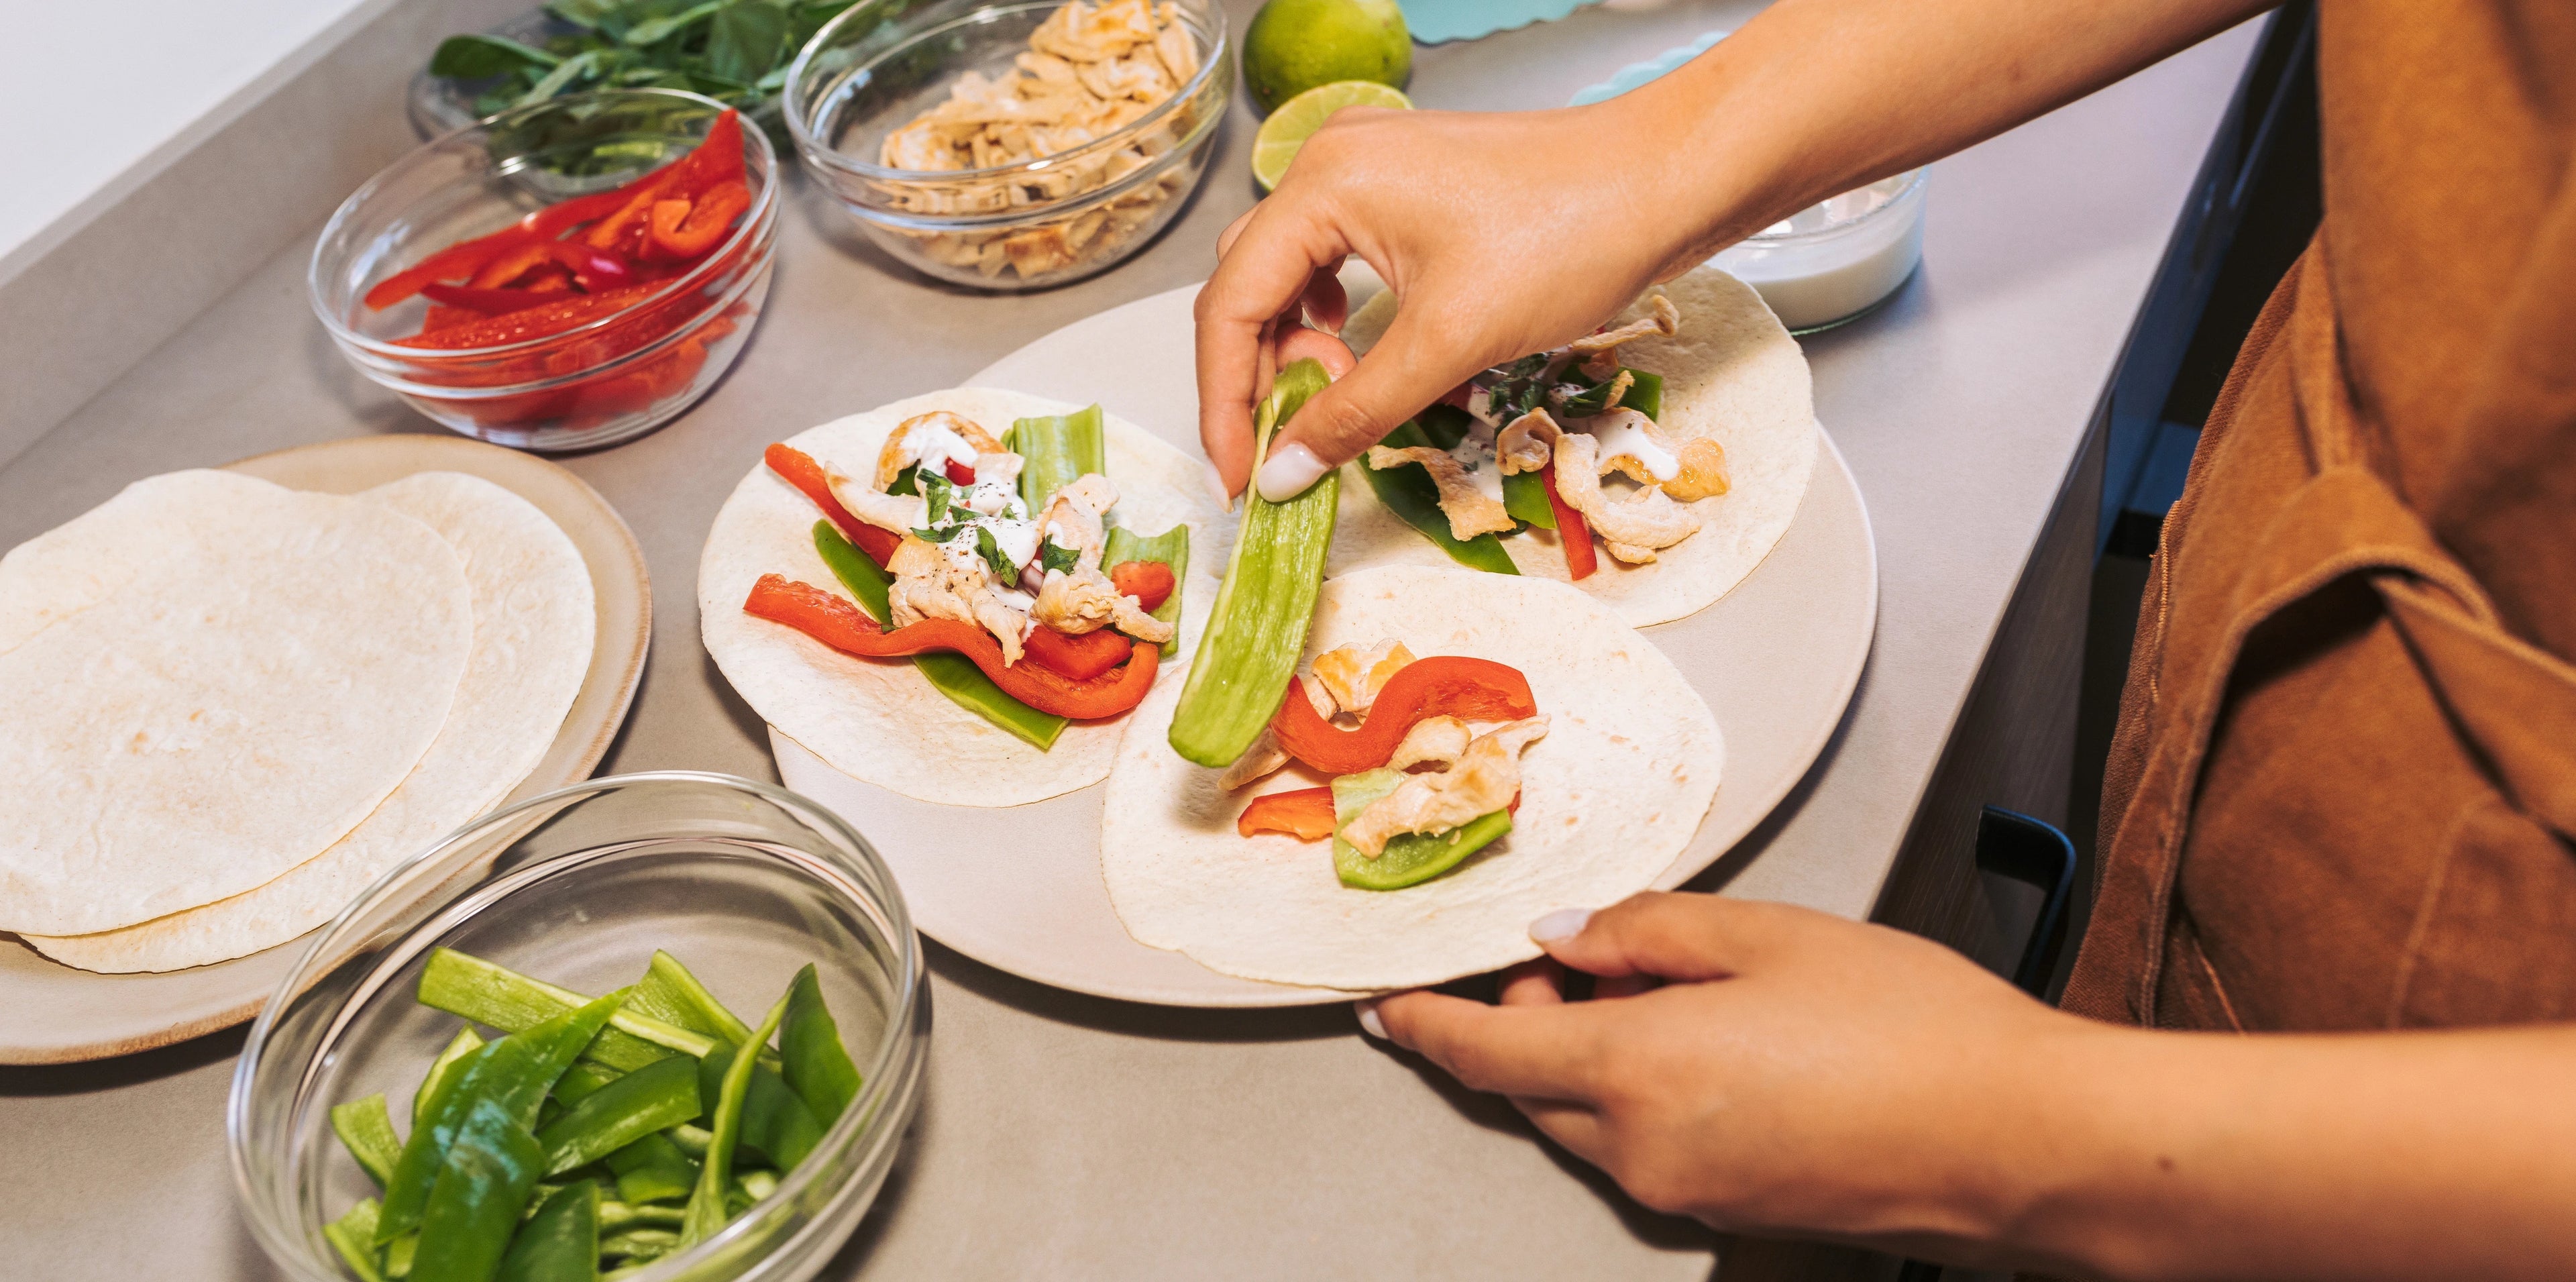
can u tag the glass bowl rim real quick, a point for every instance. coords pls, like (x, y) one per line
(1217, 46)
(763, 206)
(1914, 180)
(879, 1081)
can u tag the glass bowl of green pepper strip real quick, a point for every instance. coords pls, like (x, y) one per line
(424, 281)
(520, 1054)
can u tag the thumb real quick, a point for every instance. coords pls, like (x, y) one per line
(1669, 936)
(1407, 369)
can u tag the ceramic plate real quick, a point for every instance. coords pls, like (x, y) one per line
(56, 1014)
(1777, 660)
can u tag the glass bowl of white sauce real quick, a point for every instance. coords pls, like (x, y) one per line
(1833, 263)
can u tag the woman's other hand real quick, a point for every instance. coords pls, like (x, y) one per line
(1762, 1066)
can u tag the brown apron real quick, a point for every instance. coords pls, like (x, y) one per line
(2343, 791)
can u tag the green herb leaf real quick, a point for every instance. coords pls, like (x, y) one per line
(936, 490)
(907, 481)
(992, 554)
(1056, 556)
(481, 57)
(566, 73)
(585, 14)
(746, 40)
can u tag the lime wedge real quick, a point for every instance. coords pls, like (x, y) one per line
(1297, 119)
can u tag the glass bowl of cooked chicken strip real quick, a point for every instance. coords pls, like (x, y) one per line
(1012, 146)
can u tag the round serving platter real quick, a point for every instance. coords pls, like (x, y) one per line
(56, 1014)
(1020, 888)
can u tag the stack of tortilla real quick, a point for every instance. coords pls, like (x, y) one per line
(233, 706)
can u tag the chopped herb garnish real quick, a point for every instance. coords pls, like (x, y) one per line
(1056, 556)
(992, 554)
(936, 491)
(907, 481)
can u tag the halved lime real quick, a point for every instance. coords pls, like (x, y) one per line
(1297, 119)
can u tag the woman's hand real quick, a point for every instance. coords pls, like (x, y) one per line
(1792, 1072)
(1502, 234)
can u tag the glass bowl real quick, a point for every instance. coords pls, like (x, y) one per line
(743, 882)
(1031, 225)
(1831, 264)
(615, 378)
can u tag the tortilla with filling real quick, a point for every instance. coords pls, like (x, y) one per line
(1609, 799)
(1732, 373)
(878, 720)
(533, 626)
(210, 679)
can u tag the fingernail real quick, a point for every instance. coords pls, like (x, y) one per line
(1561, 925)
(1288, 472)
(1216, 487)
(1369, 1022)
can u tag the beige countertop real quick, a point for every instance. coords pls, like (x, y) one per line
(1066, 1136)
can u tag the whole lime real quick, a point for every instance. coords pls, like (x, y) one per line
(1295, 45)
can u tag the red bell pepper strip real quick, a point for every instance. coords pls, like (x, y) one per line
(571, 311)
(467, 257)
(1580, 557)
(959, 473)
(1445, 685)
(799, 469)
(1079, 656)
(488, 302)
(685, 229)
(1150, 582)
(843, 626)
(714, 161)
(1305, 814)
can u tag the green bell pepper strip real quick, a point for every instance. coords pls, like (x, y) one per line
(465, 1043)
(652, 1169)
(812, 1059)
(1525, 497)
(560, 1243)
(1410, 493)
(367, 1129)
(484, 1183)
(514, 1074)
(620, 1215)
(640, 1243)
(1258, 628)
(1411, 858)
(1646, 395)
(953, 675)
(1172, 548)
(641, 1103)
(706, 1210)
(584, 1079)
(692, 1141)
(1056, 452)
(487, 993)
(668, 992)
(353, 1236)
(775, 1121)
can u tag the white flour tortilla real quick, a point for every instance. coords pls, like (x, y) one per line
(878, 720)
(1732, 373)
(533, 625)
(243, 676)
(1609, 799)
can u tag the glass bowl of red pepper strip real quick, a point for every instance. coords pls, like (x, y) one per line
(525, 308)
(520, 921)
(1030, 224)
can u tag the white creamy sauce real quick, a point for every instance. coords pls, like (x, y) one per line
(1477, 458)
(1018, 540)
(1625, 433)
(995, 498)
(934, 447)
